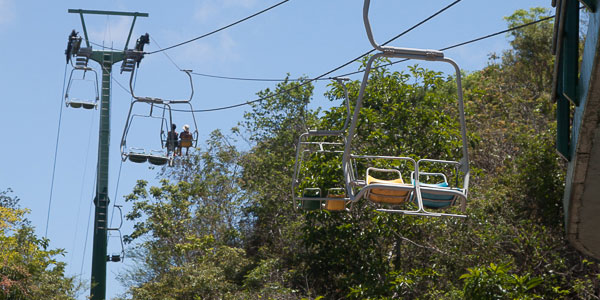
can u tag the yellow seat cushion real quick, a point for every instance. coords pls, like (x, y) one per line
(390, 196)
(335, 205)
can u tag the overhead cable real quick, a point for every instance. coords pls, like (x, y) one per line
(55, 153)
(331, 71)
(357, 72)
(306, 81)
(249, 79)
(87, 152)
(220, 29)
(349, 62)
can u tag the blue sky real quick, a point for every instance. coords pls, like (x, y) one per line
(300, 37)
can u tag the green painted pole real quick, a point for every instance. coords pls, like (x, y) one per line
(98, 288)
(98, 281)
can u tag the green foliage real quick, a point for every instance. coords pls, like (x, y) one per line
(529, 63)
(495, 282)
(537, 177)
(28, 270)
(226, 227)
(274, 124)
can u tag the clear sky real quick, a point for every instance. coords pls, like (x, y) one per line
(300, 37)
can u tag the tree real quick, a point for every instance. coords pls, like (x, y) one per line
(187, 230)
(273, 126)
(28, 270)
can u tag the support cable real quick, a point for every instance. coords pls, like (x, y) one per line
(117, 82)
(116, 191)
(166, 54)
(87, 232)
(357, 72)
(326, 73)
(220, 29)
(105, 47)
(349, 62)
(322, 77)
(225, 77)
(55, 152)
(82, 186)
(249, 79)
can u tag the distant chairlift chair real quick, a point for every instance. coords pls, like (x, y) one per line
(156, 157)
(82, 57)
(139, 155)
(319, 142)
(396, 191)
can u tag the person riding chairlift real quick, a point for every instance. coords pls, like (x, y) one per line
(173, 141)
(186, 139)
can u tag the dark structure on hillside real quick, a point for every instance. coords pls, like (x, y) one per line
(577, 92)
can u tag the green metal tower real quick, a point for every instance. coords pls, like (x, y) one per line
(106, 59)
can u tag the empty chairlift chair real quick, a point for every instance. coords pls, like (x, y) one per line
(319, 142)
(425, 195)
(158, 158)
(81, 66)
(312, 199)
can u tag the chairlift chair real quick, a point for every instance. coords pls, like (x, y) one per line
(192, 140)
(121, 256)
(319, 142)
(139, 155)
(336, 205)
(134, 56)
(393, 192)
(82, 57)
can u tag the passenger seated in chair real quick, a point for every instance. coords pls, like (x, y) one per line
(186, 139)
(172, 140)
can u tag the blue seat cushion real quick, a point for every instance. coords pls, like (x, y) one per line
(434, 200)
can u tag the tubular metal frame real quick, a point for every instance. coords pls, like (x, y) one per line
(350, 175)
(130, 117)
(160, 100)
(69, 100)
(303, 142)
(118, 229)
(167, 103)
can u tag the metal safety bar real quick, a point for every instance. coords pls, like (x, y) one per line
(160, 100)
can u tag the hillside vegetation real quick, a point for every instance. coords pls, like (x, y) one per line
(222, 225)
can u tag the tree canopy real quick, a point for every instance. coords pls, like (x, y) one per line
(28, 269)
